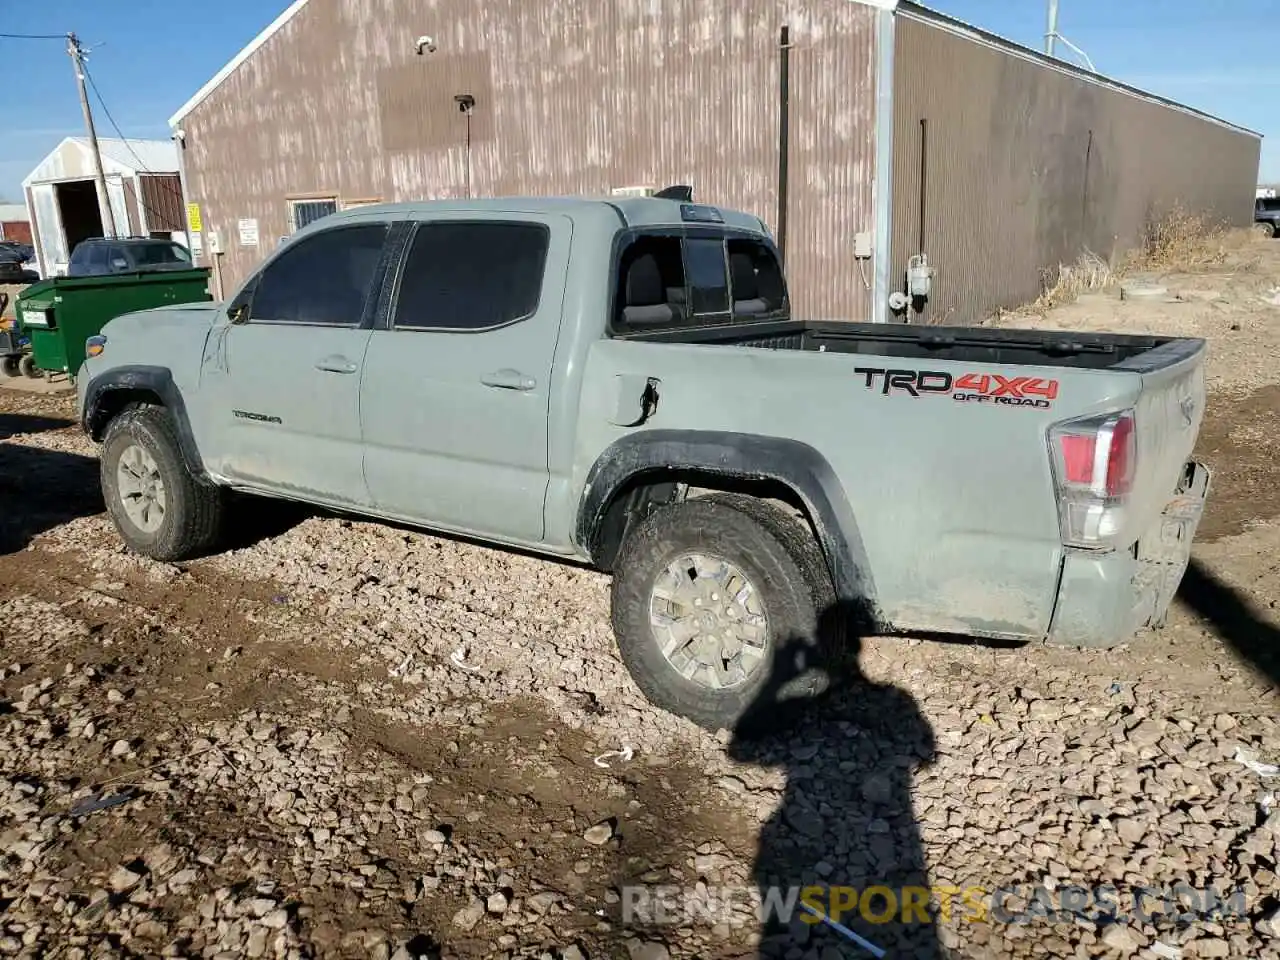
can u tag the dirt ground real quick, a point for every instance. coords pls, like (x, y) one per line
(341, 739)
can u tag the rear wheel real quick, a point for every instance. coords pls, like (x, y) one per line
(160, 509)
(27, 367)
(715, 616)
(796, 536)
(10, 366)
(1268, 229)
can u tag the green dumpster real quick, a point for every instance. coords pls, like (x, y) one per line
(61, 313)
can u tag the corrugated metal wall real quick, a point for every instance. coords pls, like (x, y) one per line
(572, 97)
(133, 209)
(1028, 166)
(162, 197)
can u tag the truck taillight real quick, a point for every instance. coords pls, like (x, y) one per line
(1094, 461)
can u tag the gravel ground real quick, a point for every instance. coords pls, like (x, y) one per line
(341, 739)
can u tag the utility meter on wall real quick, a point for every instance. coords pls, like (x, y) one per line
(919, 277)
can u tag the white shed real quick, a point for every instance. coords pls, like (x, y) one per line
(144, 196)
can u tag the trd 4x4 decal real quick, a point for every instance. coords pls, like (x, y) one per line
(967, 388)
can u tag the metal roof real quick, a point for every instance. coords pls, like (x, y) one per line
(216, 80)
(986, 37)
(72, 159)
(142, 156)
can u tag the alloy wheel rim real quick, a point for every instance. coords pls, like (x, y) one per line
(141, 488)
(709, 621)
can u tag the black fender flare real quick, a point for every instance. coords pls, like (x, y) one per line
(741, 456)
(135, 378)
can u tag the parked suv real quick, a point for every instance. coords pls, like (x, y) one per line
(1266, 213)
(101, 257)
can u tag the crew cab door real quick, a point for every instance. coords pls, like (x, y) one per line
(454, 401)
(284, 374)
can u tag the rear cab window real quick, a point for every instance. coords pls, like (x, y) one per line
(157, 252)
(685, 279)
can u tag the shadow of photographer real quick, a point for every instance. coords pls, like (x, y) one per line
(845, 833)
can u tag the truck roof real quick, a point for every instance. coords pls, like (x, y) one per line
(631, 211)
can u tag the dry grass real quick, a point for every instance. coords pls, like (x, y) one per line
(1182, 242)
(1069, 281)
(1179, 242)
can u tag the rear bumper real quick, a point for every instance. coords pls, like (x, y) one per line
(1104, 598)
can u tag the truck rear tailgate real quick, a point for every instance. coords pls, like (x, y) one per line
(1168, 414)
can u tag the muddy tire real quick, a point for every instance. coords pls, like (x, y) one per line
(27, 367)
(715, 615)
(9, 366)
(799, 540)
(160, 509)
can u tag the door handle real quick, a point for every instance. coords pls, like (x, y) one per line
(508, 379)
(336, 364)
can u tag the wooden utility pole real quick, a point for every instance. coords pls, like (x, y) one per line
(76, 53)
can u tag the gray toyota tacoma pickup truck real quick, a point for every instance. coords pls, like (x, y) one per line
(621, 384)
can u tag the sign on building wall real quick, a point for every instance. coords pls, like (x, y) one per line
(248, 232)
(194, 221)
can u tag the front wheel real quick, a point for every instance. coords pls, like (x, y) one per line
(160, 509)
(715, 619)
(10, 366)
(27, 367)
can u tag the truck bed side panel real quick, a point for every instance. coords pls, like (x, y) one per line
(953, 498)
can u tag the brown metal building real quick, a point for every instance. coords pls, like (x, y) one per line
(814, 114)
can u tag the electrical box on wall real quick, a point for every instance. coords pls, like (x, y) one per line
(862, 245)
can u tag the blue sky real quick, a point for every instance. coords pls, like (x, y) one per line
(149, 56)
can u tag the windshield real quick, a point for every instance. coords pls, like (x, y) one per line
(145, 254)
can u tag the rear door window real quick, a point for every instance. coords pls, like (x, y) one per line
(118, 259)
(472, 276)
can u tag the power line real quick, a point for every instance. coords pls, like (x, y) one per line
(76, 52)
(33, 36)
(142, 167)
